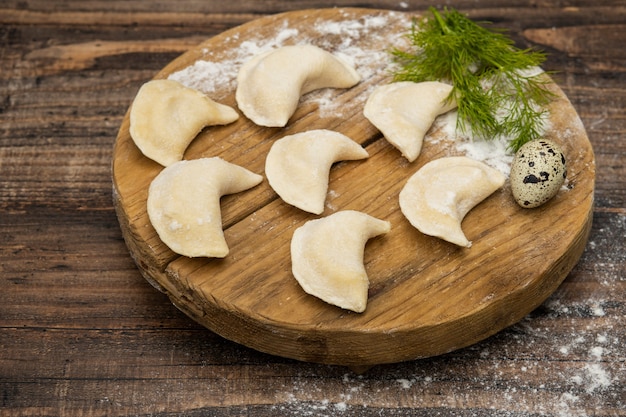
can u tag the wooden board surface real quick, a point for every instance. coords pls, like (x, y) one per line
(426, 296)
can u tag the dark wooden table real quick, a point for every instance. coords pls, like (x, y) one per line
(83, 334)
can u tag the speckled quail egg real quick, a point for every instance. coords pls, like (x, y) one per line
(538, 171)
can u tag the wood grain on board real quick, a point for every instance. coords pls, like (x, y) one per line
(427, 297)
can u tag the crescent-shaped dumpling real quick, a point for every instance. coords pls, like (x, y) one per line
(269, 85)
(298, 166)
(327, 257)
(439, 195)
(405, 111)
(184, 204)
(166, 116)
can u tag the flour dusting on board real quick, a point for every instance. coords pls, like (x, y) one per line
(350, 39)
(362, 42)
(209, 76)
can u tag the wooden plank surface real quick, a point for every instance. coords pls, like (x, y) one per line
(81, 331)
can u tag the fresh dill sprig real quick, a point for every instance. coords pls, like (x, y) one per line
(496, 93)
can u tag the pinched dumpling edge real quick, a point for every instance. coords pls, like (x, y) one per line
(405, 111)
(327, 257)
(437, 197)
(298, 166)
(269, 85)
(184, 204)
(166, 116)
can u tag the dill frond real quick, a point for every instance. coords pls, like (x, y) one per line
(487, 72)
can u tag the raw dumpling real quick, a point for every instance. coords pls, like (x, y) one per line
(327, 257)
(297, 166)
(439, 195)
(184, 204)
(405, 111)
(269, 86)
(166, 116)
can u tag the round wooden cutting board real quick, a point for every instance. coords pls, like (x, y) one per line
(426, 297)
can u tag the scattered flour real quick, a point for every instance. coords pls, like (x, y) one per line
(598, 311)
(594, 378)
(494, 152)
(565, 406)
(405, 383)
(341, 406)
(209, 76)
(361, 42)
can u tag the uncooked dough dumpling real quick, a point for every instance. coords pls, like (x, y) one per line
(184, 204)
(405, 111)
(327, 257)
(439, 195)
(270, 85)
(298, 166)
(166, 116)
